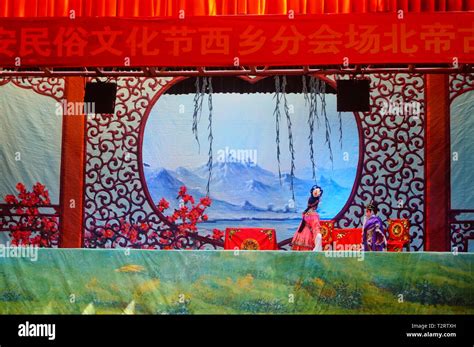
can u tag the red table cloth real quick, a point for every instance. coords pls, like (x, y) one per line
(352, 236)
(250, 239)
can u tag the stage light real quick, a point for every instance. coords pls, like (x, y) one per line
(353, 95)
(102, 95)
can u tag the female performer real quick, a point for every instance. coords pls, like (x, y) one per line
(308, 235)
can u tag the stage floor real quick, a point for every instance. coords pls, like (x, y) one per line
(105, 281)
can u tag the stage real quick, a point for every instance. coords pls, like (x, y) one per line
(248, 157)
(123, 281)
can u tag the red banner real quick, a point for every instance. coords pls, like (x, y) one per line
(238, 40)
(250, 239)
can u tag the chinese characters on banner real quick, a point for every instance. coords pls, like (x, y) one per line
(238, 40)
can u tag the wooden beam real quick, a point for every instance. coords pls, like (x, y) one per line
(437, 163)
(72, 168)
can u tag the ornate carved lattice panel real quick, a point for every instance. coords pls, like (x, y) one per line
(52, 86)
(459, 84)
(392, 154)
(461, 232)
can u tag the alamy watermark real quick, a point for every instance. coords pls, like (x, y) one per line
(400, 108)
(243, 156)
(74, 108)
(344, 251)
(28, 329)
(11, 251)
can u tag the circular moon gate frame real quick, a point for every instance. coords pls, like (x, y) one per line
(391, 165)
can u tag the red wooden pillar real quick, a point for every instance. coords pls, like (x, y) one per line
(72, 168)
(437, 163)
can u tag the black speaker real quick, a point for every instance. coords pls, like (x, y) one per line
(102, 96)
(353, 95)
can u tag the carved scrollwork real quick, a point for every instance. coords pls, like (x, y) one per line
(391, 156)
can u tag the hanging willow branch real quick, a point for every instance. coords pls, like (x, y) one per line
(277, 114)
(197, 96)
(305, 90)
(322, 94)
(290, 138)
(203, 92)
(317, 90)
(313, 111)
(210, 137)
(314, 86)
(340, 129)
(198, 99)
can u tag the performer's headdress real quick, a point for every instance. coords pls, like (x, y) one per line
(313, 188)
(313, 202)
(372, 206)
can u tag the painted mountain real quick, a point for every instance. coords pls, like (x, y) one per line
(247, 191)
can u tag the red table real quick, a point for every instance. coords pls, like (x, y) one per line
(250, 239)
